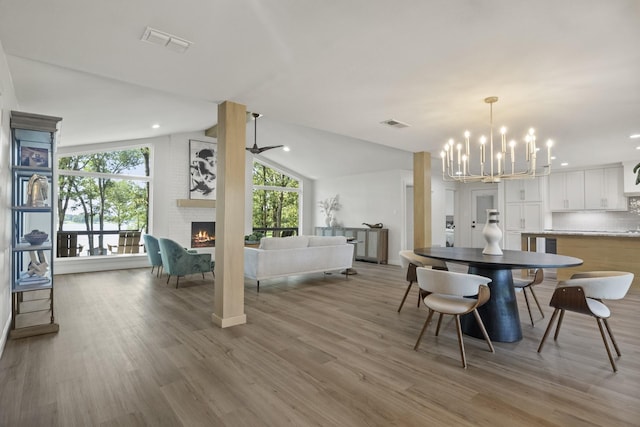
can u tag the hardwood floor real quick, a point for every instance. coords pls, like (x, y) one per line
(316, 351)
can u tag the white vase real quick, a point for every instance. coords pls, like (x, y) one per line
(333, 222)
(492, 234)
(327, 221)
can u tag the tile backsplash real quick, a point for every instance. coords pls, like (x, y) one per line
(599, 221)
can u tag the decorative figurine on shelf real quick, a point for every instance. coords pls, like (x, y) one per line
(38, 265)
(37, 190)
(377, 225)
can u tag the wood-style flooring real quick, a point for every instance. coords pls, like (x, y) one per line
(316, 351)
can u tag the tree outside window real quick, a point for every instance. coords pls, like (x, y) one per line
(276, 201)
(102, 193)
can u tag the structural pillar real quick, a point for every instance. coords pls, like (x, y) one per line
(422, 199)
(230, 203)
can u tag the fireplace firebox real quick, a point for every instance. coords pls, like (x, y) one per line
(203, 234)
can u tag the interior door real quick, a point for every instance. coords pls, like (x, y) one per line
(481, 200)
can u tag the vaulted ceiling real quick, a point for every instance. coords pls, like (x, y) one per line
(569, 68)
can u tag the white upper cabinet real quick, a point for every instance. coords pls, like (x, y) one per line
(523, 190)
(603, 189)
(566, 191)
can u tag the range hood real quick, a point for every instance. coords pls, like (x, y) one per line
(630, 187)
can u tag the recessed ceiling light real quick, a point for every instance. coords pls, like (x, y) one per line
(635, 135)
(286, 148)
(564, 164)
(155, 126)
(553, 157)
(638, 147)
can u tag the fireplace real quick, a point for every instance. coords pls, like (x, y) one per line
(203, 234)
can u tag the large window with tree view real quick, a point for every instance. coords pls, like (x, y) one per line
(101, 195)
(276, 202)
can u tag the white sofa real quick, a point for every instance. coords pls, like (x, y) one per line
(287, 256)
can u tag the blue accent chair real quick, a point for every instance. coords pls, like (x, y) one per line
(153, 252)
(178, 261)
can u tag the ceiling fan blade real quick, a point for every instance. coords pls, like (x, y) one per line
(260, 150)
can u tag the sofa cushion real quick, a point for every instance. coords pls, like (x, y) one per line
(291, 242)
(327, 240)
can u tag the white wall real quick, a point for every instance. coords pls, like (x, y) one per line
(8, 102)
(371, 198)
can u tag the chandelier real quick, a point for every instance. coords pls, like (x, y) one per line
(457, 164)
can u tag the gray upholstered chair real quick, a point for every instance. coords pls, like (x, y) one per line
(153, 252)
(177, 261)
(583, 293)
(528, 283)
(411, 261)
(448, 294)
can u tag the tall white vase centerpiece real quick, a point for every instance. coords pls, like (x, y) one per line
(492, 233)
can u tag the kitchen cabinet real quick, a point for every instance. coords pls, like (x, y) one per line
(520, 217)
(33, 196)
(566, 191)
(521, 190)
(604, 189)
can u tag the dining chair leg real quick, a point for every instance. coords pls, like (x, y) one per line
(526, 300)
(424, 327)
(613, 340)
(439, 323)
(168, 277)
(177, 281)
(537, 303)
(203, 275)
(460, 342)
(152, 268)
(484, 330)
(606, 345)
(555, 336)
(405, 296)
(549, 326)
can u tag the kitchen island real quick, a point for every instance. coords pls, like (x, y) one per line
(599, 250)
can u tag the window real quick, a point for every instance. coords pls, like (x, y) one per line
(276, 202)
(99, 195)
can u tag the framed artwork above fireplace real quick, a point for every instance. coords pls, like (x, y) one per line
(203, 169)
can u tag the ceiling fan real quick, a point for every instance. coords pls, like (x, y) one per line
(255, 149)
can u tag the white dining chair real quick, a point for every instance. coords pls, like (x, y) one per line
(583, 293)
(528, 284)
(449, 293)
(410, 261)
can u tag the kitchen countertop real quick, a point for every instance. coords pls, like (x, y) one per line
(629, 234)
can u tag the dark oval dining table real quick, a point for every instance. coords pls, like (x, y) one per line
(500, 313)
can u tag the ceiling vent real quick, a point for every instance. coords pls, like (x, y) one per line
(167, 40)
(395, 124)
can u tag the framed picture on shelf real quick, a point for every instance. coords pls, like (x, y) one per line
(34, 156)
(203, 169)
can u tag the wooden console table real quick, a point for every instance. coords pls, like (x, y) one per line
(372, 243)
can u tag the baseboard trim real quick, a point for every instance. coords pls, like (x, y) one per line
(229, 321)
